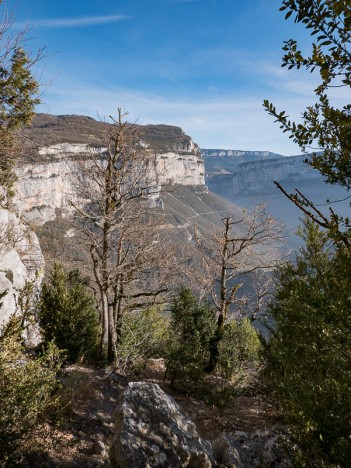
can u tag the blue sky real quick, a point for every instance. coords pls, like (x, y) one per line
(204, 65)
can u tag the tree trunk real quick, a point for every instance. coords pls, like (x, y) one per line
(214, 343)
(112, 337)
(104, 338)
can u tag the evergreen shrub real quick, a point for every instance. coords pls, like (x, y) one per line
(309, 352)
(27, 383)
(193, 327)
(68, 314)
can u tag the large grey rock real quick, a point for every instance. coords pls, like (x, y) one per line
(152, 431)
(21, 261)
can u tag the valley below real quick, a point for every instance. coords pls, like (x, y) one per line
(200, 198)
(247, 178)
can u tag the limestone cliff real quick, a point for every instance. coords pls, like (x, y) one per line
(21, 261)
(46, 178)
(227, 177)
(257, 174)
(220, 160)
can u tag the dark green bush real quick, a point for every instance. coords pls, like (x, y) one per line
(193, 328)
(68, 315)
(309, 352)
(27, 383)
(239, 363)
(240, 353)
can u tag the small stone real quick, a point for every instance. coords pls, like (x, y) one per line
(154, 448)
(240, 436)
(99, 448)
(161, 458)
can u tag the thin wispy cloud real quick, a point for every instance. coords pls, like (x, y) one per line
(77, 22)
(230, 122)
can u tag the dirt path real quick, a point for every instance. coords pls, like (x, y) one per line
(87, 424)
(82, 439)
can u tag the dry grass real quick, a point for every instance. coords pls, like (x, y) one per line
(77, 388)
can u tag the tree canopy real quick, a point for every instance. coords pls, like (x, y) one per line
(324, 130)
(19, 94)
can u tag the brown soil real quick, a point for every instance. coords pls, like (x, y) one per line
(88, 423)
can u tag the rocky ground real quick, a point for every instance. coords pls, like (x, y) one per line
(85, 429)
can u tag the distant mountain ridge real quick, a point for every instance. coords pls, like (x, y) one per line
(247, 178)
(229, 172)
(218, 159)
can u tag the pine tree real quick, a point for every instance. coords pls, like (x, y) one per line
(19, 94)
(68, 314)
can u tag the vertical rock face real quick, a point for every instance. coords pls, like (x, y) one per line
(43, 189)
(259, 174)
(46, 181)
(151, 430)
(229, 175)
(21, 261)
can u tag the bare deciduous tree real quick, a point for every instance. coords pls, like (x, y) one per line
(247, 243)
(127, 244)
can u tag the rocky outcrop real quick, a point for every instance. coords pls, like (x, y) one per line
(151, 430)
(21, 261)
(220, 160)
(243, 450)
(43, 189)
(46, 180)
(46, 189)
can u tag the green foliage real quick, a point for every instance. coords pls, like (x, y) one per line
(19, 95)
(309, 351)
(239, 353)
(27, 383)
(143, 335)
(238, 365)
(324, 128)
(67, 314)
(18, 90)
(193, 330)
(192, 327)
(309, 354)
